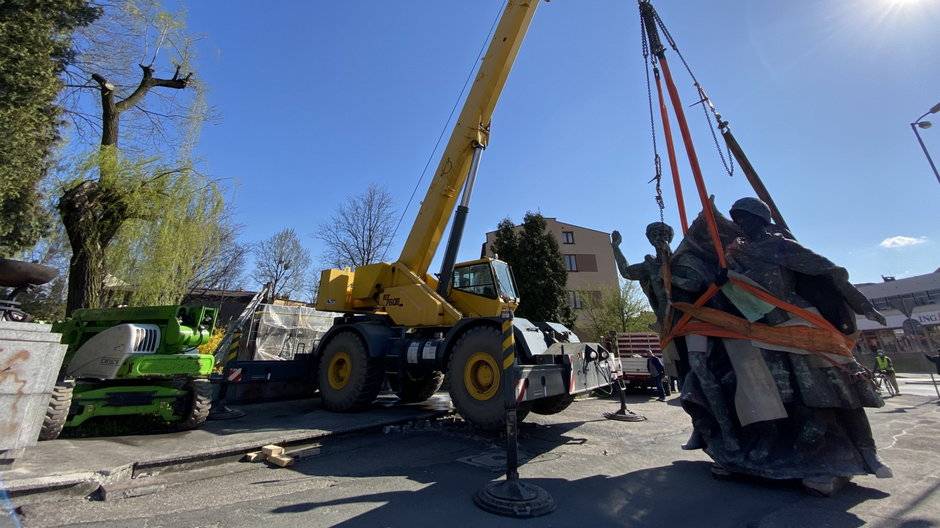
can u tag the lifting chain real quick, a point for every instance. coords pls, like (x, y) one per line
(703, 98)
(650, 60)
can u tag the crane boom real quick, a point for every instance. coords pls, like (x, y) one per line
(472, 130)
(403, 289)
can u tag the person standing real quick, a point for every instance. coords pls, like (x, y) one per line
(657, 371)
(884, 364)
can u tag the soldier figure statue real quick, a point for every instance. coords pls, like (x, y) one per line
(771, 410)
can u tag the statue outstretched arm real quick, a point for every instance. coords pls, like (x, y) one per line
(622, 264)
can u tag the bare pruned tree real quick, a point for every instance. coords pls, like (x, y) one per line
(361, 231)
(282, 261)
(131, 32)
(222, 269)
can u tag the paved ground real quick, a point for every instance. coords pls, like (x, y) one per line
(601, 473)
(78, 466)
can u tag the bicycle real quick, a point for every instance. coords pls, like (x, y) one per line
(880, 379)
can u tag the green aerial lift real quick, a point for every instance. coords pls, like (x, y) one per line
(133, 361)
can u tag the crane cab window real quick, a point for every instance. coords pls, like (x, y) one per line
(475, 278)
(504, 282)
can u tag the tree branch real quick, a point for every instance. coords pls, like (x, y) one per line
(148, 81)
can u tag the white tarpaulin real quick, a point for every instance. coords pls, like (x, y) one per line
(285, 331)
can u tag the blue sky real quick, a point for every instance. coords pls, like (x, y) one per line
(319, 99)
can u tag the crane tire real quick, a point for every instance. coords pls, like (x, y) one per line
(413, 388)
(552, 404)
(57, 412)
(475, 373)
(349, 378)
(195, 405)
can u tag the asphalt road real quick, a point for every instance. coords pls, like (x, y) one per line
(599, 473)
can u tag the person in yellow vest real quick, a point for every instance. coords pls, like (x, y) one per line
(883, 363)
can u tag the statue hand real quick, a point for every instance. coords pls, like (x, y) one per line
(615, 238)
(874, 315)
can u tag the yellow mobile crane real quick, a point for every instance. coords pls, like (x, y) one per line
(402, 324)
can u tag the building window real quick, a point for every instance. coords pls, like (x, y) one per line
(571, 263)
(567, 237)
(574, 300)
(586, 263)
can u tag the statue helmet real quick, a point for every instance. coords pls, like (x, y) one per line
(661, 227)
(753, 206)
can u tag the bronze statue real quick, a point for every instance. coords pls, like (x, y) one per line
(771, 410)
(649, 272)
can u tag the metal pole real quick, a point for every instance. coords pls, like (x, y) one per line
(512, 497)
(924, 148)
(509, 392)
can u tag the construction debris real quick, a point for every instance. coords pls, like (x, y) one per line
(281, 460)
(272, 450)
(273, 454)
(255, 456)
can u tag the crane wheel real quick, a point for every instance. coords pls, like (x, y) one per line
(416, 387)
(349, 379)
(475, 375)
(194, 407)
(57, 412)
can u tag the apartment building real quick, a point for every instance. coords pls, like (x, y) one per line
(588, 258)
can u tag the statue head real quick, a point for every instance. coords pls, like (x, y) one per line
(659, 234)
(752, 206)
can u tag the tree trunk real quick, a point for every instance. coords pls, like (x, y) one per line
(79, 208)
(92, 215)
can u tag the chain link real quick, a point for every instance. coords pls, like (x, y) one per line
(706, 105)
(649, 60)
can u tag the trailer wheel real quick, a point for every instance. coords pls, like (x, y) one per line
(194, 407)
(475, 374)
(349, 379)
(552, 404)
(57, 413)
(416, 387)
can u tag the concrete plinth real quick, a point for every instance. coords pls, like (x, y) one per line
(30, 357)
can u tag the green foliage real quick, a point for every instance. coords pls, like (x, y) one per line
(173, 221)
(35, 47)
(622, 309)
(537, 265)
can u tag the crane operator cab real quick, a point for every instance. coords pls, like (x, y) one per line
(485, 278)
(479, 286)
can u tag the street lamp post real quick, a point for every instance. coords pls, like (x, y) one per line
(926, 124)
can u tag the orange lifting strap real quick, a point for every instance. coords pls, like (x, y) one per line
(822, 338)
